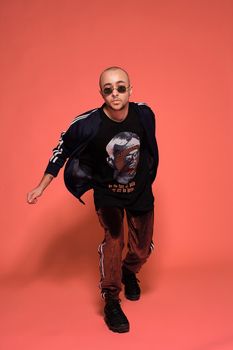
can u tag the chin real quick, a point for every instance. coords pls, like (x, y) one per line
(117, 107)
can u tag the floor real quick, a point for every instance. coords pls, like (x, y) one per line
(181, 309)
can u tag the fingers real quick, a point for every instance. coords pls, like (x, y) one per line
(32, 198)
(32, 201)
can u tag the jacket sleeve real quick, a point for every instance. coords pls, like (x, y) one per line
(148, 120)
(154, 148)
(65, 147)
(150, 128)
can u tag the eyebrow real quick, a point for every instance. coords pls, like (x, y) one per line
(118, 82)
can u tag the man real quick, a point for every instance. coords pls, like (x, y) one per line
(113, 150)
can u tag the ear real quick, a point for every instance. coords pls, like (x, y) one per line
(130, 90)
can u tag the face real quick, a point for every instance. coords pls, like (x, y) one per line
(132, 158)
(126, 161)
(113, 79)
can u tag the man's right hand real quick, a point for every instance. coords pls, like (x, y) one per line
(37, 192)
(33, 195)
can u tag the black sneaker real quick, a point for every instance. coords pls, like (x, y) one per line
(132, 289)
(115, 317)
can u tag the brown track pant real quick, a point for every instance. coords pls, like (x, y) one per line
(140, 245)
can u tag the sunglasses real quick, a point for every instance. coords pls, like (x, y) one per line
(121, 89)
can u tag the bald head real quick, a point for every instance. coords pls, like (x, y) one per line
(109, 72)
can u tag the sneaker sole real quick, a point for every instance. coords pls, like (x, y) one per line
(132, 297)
(121, 329)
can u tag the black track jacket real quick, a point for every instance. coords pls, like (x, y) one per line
(84, 127)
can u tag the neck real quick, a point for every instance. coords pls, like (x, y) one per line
(117, 116)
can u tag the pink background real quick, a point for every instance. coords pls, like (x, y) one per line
(179, 56)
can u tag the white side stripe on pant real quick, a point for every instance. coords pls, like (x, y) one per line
(152, 246)
(101, 252)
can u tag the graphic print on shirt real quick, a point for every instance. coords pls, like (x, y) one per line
(123, 156)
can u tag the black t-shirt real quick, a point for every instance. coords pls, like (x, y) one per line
(120, 171)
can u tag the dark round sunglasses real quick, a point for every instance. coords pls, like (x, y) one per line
(121, 89)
